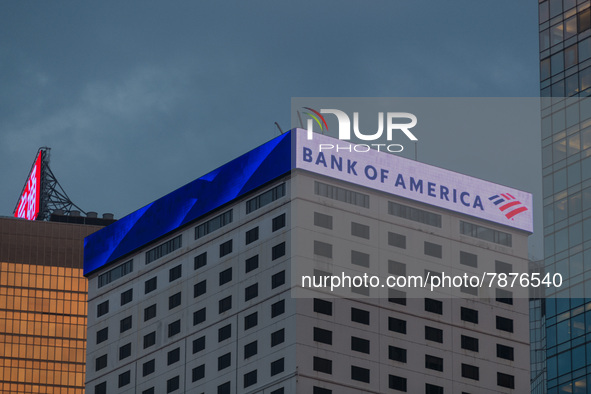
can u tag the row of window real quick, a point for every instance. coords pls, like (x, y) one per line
(360, 374)
(398, 325)
(164, 249)
(399, 354)
(398, 240)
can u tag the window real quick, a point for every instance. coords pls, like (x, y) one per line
(265, 198)
(397, 296)
(198, 344)
(359, 316)
(175, 273)
(323, 336)
(470, 372)
(277, 337)
(322, 220)
(320, 390)
(102, 308)
(198, 373)
(397, 383)
(359, 258)
(101, 362)
(124, 378)
(433, 389)
(250, 378)
(100, 388)
(149, 339)
(102, 335)
(224, 361)
(341, 194)
(503, 268)
(225, 276)
(397, 325)
(151, 285)
(322, 365)
(174, 300)
(414, 214)
(322, 249)
(172, 384)
(433, 250)
(322, 306)
(468, 259)
(125, 351)
(504, 296)
(252, 235)
(397, 354)
(278, 251)
(277, 308)
(397, 240)
(485, 233)
(250, 349)
(434, 363)
(115, 273)
(224, 388)
(225, 248)
(505, 352)
(126, 297)
(278, 279)
(359, 230)
(251, 292)
(225, 304)
(584, 21)
(174, 356)
(150, 312)
(433, 334)
(125, 324)
(505, 380)
(433, 306)
(174, 328)
(201, 260)
(469, 343)
(504, 324)
(252, 263)
(200, 288)
(277, 366)
(148, 391)
(278, 222)
(396, 268)
(469, 315)
(360, 345)
(251, 320)
(224, 332)
(164, 249)
(213, 224)
(360, 374)
(278, 391)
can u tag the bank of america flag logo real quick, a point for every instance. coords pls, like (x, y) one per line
(508, 205)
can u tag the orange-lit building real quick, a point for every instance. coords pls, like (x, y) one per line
(42, 306)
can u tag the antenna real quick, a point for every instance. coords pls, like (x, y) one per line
(279, 127)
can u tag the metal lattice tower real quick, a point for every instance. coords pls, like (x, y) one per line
(52, 196)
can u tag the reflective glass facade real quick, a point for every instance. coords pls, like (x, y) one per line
(565, 74)
(42, 307)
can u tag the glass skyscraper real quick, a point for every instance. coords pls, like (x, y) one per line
(565, 75)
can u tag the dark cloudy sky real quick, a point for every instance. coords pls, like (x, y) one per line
(137, 98)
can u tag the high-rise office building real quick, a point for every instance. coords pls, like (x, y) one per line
(43, 298)
(565, 74)
(203, 290)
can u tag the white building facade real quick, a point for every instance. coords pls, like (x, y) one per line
(201, 291)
